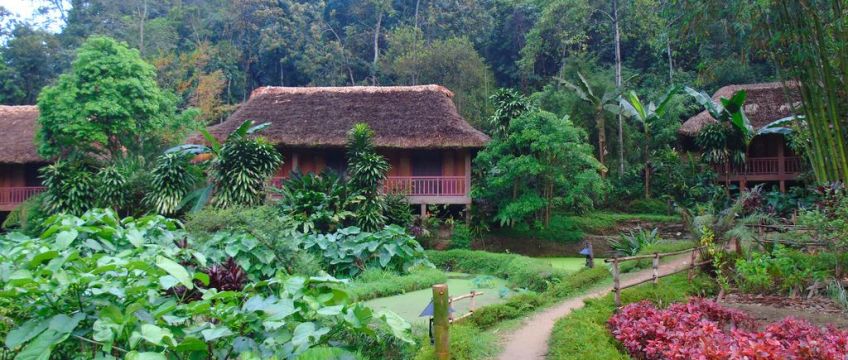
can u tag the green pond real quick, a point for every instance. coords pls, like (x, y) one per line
(410, 305)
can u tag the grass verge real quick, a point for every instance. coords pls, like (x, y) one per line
(572, 228)
(583, 334)
(375, 283)
(521, 271)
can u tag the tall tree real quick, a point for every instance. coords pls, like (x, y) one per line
(601, 105)
(647, 116)
(108, 103)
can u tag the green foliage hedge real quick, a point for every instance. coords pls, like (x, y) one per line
(375, 283)
(520, 271)
(584, 334)
(572, 228)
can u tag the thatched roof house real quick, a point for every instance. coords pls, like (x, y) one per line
(769, 159)
(17, 135)
(765, 103)
(408, 117)
(417, 128)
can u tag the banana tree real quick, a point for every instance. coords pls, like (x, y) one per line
(646, 116)
(728, 140)
(235, 171)
(600, 105)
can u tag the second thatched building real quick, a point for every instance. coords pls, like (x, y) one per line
(417, 128)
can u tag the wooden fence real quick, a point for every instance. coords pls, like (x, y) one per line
(442, 318)
(616, 269)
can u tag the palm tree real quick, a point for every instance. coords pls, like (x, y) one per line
(726, 141)
(647, 116)
(606, 102)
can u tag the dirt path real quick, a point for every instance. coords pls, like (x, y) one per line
(530, 341)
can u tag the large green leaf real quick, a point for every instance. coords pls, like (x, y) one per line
(25, 332)
(42, 346)
(175, 270)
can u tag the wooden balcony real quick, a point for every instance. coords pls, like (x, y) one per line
(422, 189)
(11, 197)
(763, 169)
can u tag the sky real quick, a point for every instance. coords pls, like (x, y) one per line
(26, 9)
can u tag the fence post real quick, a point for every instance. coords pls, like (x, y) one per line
(616, 282)
(656, 267)
(441, 322)
(692, 264)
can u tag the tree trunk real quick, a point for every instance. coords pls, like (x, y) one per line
(618, 85)
(376, 48)
(142, 14)
(647, 163)
(600, 123)
(670, 60)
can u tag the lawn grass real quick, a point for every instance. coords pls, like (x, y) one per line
(520, 271)
(565, 228)
(583, 334)
(569, 264)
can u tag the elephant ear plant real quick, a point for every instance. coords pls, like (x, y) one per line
(99, 287)
(235, 171)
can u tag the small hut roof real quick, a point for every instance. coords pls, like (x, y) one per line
(17, 134)
(765, 103)
(401, 116)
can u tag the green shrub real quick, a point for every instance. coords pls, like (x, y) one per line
(662, 246)
(648, 206)
(374, 283)
(579, 281)
(467, 343)
(562, 229)
(517, 306)
(461, 237)
(327, 353)
(784, 270)
(520, 271)
(583, 334)
(631, 243)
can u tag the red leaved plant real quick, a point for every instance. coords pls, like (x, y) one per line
(702, 329)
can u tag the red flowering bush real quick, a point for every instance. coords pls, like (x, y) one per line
(702, 329)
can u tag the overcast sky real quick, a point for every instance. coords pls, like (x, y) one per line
(25, 9)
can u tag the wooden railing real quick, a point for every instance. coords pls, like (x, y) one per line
(616, 270)
(426, 185)
(414, 185)
(11, 197)
(759, 166)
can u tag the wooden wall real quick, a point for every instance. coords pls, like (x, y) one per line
(19, 175)
(400, 161)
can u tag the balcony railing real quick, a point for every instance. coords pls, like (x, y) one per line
(11, 197)
(426, 185)
(765, 167)
(416, 185)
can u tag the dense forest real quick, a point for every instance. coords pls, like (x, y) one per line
(212, 53)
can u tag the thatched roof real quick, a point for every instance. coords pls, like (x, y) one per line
(17, 135)
(401, 116)
(765, 103)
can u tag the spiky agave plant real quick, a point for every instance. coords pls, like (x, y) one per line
(171, 181)
(241, 169)
(112, 190)
(367, 170)
(70, 188)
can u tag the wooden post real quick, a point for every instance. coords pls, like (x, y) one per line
(590, 259)
(616, 282)
(692, 260)
(656, 267)
(441, 323)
